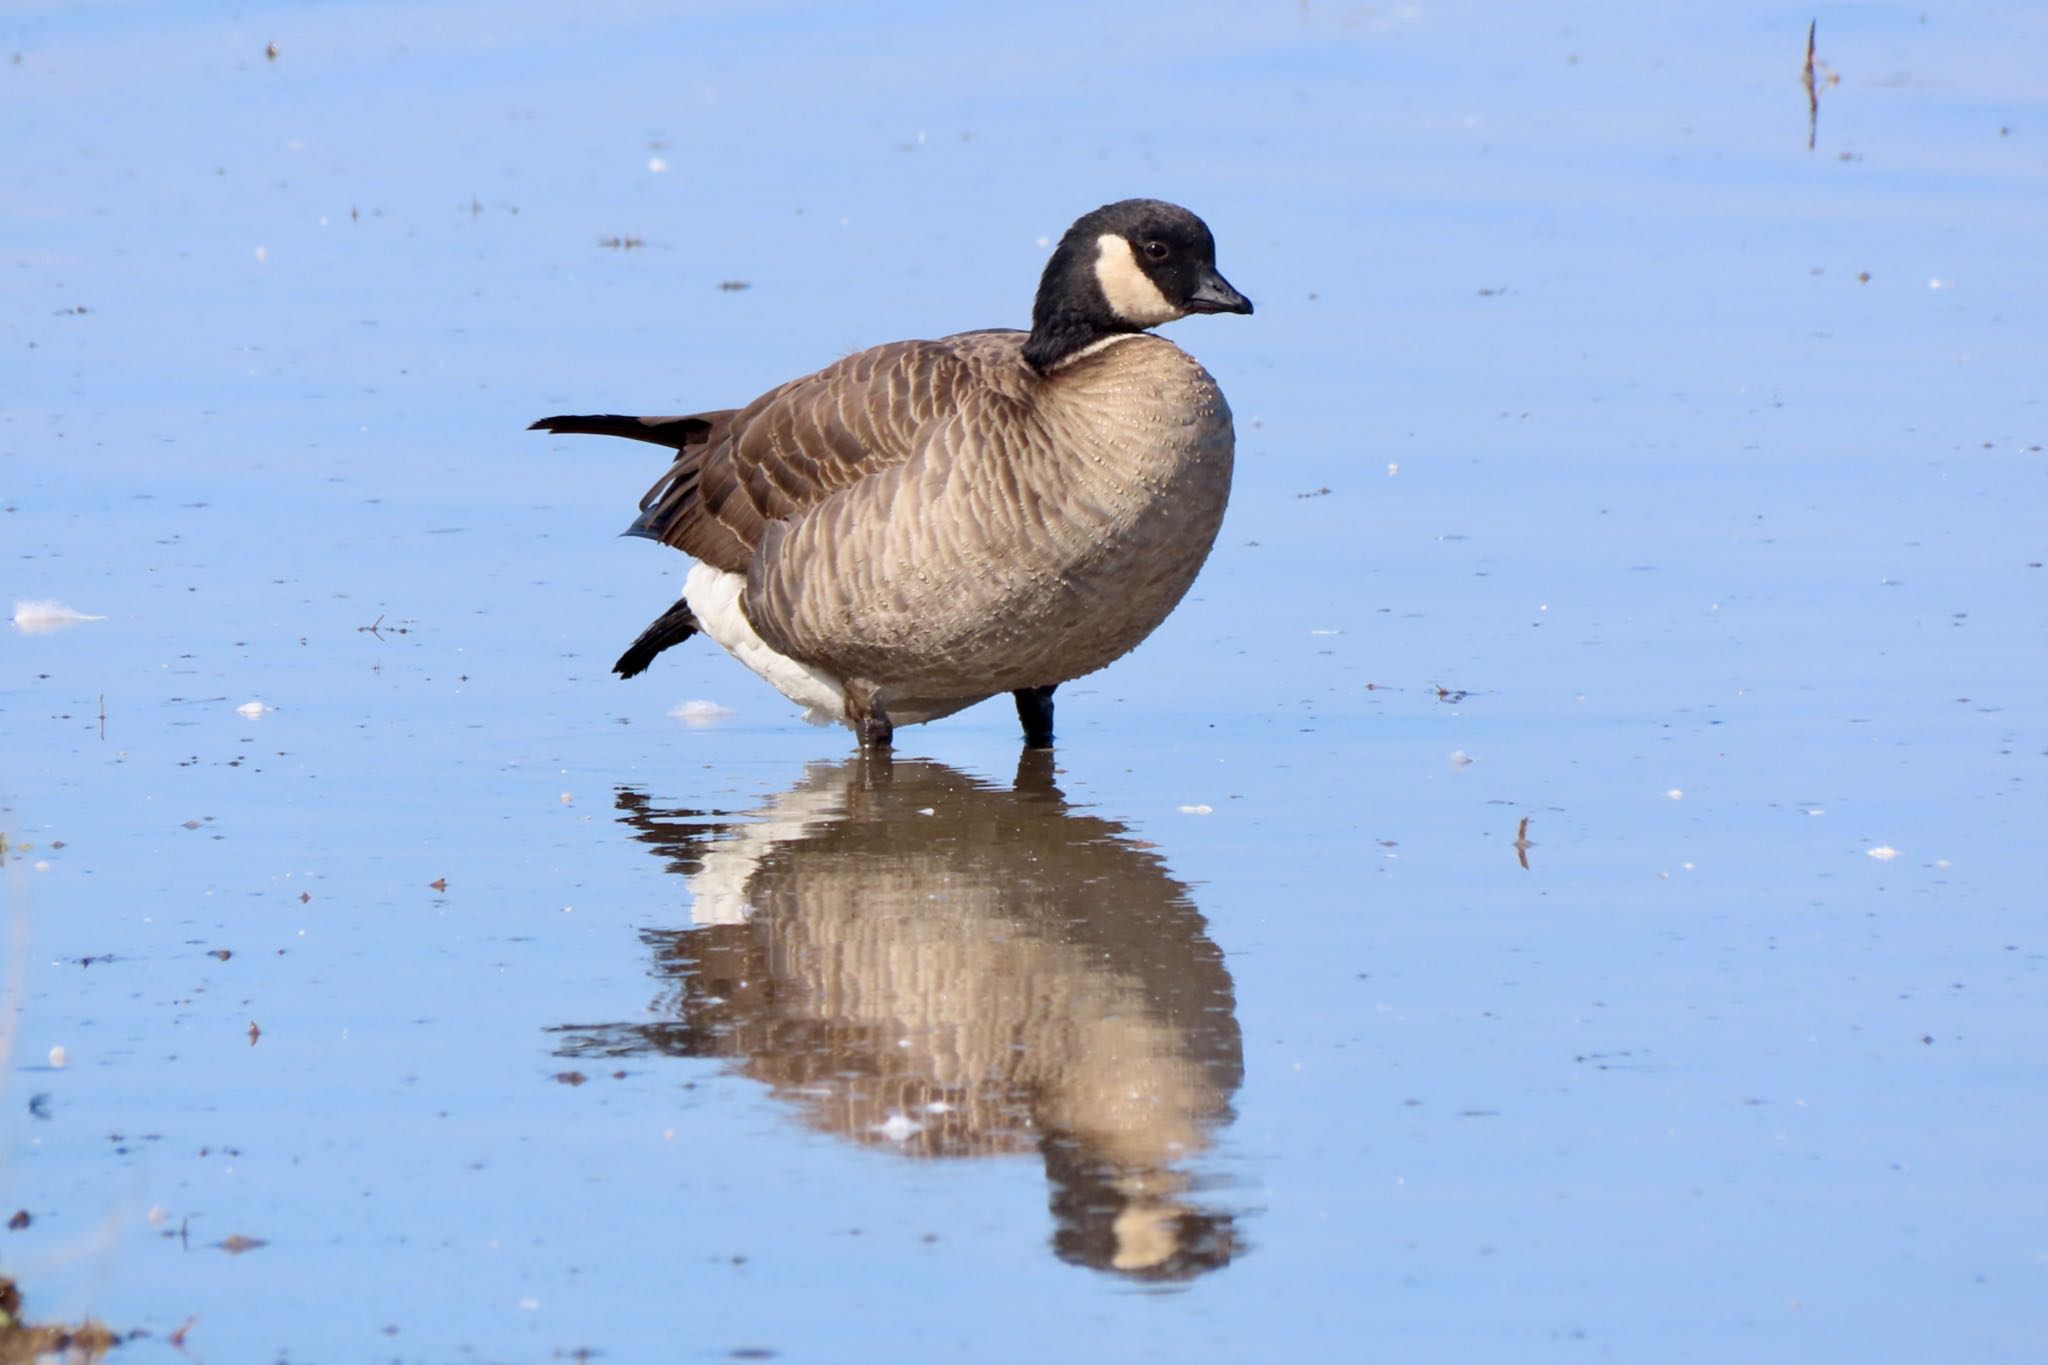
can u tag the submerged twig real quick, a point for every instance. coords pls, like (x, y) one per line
(1812, 91)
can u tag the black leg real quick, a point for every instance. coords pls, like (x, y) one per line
(1034, 708)
(865, 711)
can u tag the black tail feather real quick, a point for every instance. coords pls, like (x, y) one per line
(672, 627)
(673, 432)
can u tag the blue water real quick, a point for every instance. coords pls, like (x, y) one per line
(1584, 477)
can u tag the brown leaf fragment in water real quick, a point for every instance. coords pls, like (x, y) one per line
(20, 1220)
(254, 1033)
(222, 953)
(570, 1077)
(177, 1336)
(439, 883)
(236, 1244)
(1522, 844)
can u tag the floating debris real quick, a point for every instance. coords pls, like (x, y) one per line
(1812, 76)
(701, 713)
(21, 1339)
(1884, 853)
(253, 709)
(1812, 91)
(43, 615)
(1196, 810)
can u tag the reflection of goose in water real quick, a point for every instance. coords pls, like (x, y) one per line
(922, 962)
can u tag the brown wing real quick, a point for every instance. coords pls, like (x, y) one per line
(792, 448)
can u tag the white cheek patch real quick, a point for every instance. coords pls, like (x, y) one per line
(1132, 295)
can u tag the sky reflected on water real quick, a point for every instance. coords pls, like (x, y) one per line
(1608, 461)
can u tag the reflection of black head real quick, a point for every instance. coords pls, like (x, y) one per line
(1057, 979)
(1101, 1224)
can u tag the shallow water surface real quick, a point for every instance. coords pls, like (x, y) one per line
(1556, 889)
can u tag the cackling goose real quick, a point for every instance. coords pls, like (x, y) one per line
(926, 524)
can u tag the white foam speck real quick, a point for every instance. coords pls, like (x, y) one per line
(1676, 794)
(700, 713)
(1884, 853)
(1460, 759)
(253, 709)
(1197, 810)
(656, 164)
(37, 617)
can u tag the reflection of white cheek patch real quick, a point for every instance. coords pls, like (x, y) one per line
(1132, 295)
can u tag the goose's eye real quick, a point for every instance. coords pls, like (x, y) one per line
(1155, 251)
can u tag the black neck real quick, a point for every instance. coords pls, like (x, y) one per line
(1056, 337)
(1070, 311)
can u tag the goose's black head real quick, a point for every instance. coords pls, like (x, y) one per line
(1123, 268)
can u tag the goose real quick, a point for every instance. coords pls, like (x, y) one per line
(926, 524)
